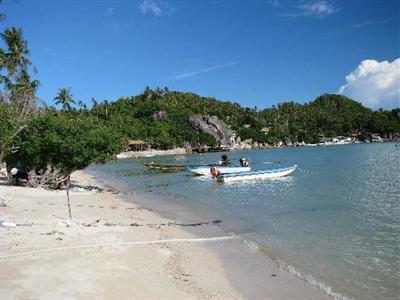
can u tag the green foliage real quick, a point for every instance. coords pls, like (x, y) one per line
(17, 97)
(7, 114)
(207, 139)
(64, 98)
(253, 133)
(8, 117)
(15, 57)
(72, 139)
(327, 116)
(65, 143)
(58, 142)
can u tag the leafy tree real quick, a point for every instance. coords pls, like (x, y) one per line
(207, 139)
(8, 117)
(55, 145)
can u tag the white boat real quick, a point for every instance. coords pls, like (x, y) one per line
(205, 171)
(257, 175)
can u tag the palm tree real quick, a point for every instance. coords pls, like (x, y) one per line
(94, 103)
(24, 85)
(2, 15)
(81, 105)
(17, 80)
(15, 58)
(23, 93)
(64, 97)
(158, 93)
(19, 90)
(106, 107)
(147, 93)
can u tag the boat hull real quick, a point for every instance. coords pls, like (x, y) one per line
(205, 171)
(166, 167)
(257, 175)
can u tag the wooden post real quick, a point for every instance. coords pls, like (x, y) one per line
(69, 203)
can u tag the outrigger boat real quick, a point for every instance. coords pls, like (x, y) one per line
(166, 167)
(256, 175)
(205, 171)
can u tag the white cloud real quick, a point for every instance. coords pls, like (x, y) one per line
(370, 23)
(318, 8)
(306, 8)
(205, 70)
(275, 3)
(375, 84)
(150, 6)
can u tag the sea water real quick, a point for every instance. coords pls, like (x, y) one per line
(335, 222)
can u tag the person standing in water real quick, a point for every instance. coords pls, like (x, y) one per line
(224, 160)
(243, 162)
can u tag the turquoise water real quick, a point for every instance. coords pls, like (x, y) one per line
(335, 222)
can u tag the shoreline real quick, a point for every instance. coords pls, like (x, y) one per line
(183, 151)
(251, 278)
(106, 222)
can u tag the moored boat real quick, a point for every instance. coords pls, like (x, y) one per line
(165, 167)
(205, 171)
(257, 175)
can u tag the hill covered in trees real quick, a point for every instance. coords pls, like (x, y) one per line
(161, 118)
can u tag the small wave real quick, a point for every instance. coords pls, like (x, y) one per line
(288, 268)
(313, 281)
(251, 245)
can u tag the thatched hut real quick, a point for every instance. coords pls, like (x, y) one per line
(136, 145)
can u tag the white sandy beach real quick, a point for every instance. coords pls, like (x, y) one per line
(45, 257)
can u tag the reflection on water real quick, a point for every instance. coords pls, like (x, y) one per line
(335, 221)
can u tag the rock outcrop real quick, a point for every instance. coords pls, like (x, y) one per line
(288, 142)
(212, 125)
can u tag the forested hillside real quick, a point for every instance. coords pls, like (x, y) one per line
(161, 118)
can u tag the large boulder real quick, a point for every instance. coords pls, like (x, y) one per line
(212, 125)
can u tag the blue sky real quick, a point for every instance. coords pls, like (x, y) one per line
(256, 52)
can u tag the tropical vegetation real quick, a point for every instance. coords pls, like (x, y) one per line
(329, 115)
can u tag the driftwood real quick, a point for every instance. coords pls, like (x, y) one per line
(50, 177)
